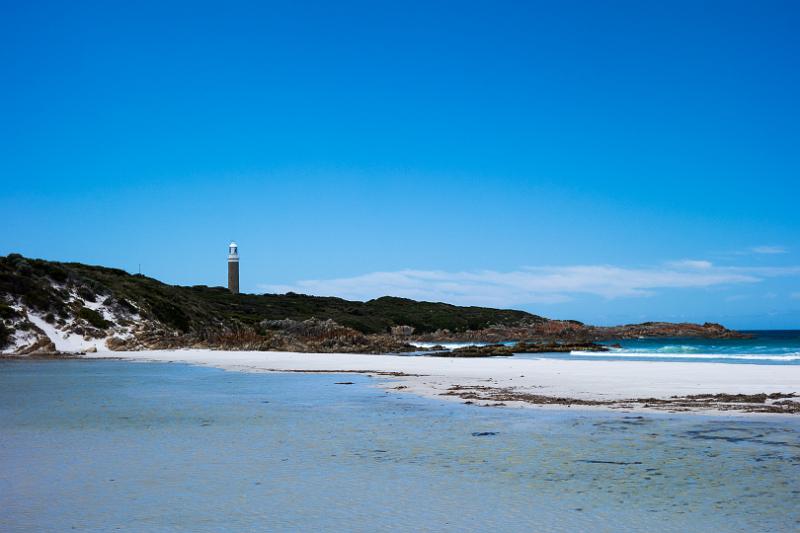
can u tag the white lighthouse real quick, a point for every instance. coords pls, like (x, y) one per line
(233, 268)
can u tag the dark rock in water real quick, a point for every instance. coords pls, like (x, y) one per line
(526, 347)
(738, 398)
(495, 350)
(776, 402)
(492, 350)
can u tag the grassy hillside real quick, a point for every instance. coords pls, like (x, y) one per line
(45, 286)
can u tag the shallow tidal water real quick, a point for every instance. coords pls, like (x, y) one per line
(111, 445)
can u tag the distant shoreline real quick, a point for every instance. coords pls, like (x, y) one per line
(49, 306)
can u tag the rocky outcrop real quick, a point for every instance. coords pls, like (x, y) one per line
(494, 350)
(310, 336)
(490, 350)
(42, 345)
(708, 330)
(570, 331)
(558, 347)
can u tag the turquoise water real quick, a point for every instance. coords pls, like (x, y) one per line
(764, 348)
(773, 347)
(110, 445)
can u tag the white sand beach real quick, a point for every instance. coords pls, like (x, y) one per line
(580, 379)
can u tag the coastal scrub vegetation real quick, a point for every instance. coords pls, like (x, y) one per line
(45, 286)
(92, 317)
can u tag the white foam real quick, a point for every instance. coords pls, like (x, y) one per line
(795, 356)
(714, 349)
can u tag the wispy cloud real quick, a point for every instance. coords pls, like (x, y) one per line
(532, 285)
(736, 297)
(768, 250)
(691, 263)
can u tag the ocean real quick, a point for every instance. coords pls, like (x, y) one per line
(772, 347)
(100, 445)
(765, 347)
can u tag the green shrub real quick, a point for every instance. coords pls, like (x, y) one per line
(53, 271)
(127, 305)
(13, 259)
(5, 335)
(86, 294)
(94, 318)
(170, 315)
(7, 311)
(38, 299)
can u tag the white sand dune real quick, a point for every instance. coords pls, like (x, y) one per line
(585, 380)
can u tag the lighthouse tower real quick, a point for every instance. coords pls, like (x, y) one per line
(233, 268)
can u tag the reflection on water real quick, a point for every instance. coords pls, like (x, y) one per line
(106, 445)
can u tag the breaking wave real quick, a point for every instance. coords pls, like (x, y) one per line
(794, 356)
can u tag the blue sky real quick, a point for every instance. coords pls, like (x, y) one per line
(604, 161)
